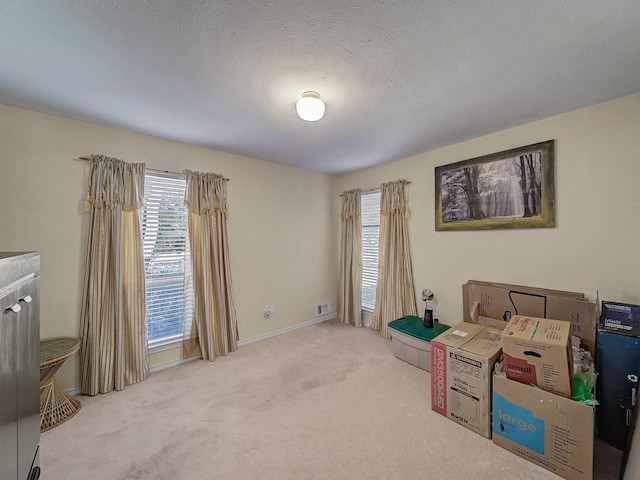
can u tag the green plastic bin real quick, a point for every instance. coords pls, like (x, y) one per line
(412, 340)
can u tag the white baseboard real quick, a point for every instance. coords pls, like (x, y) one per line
(175, 363)
(154, 369)
(247, 341)
(275, 333)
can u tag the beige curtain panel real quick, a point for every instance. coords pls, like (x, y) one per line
(113, 318)
(395, 295)
(351, 259)
(210, 327)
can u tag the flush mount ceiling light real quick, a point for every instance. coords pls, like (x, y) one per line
(310, 107)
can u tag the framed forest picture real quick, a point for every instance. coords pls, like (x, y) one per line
(510, 189)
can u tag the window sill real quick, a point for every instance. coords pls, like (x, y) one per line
(167, 343)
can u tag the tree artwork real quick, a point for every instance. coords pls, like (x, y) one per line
(498, 191)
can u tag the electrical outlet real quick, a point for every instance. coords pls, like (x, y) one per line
(267, 311)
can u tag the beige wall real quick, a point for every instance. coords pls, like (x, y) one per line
(281, 226)
(595, 244)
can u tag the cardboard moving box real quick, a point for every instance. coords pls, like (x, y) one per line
(494, 304)
(537, 351)
(551, 431)
(462, 361)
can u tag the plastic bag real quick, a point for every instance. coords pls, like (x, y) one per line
(584, 377)
(584, 385)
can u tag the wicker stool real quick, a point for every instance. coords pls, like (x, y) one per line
(55, 405)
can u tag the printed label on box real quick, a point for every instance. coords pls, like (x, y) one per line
(465, 389)
(439, 382)
(622, 318)
(520, 370)
(517, 424)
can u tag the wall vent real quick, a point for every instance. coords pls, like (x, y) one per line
(324, 308)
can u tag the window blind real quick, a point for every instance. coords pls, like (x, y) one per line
(370, 215)
(164, 233)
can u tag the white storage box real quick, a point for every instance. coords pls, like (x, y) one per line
(412, 340)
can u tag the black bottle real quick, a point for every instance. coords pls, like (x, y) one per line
(427, 320)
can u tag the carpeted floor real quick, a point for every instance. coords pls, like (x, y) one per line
(325, 402)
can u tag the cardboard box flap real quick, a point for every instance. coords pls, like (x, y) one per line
(487, 343)
(543, 291)
(540, 331)
(478, 319)
(458, 335)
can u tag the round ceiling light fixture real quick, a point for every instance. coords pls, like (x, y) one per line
(310, 107)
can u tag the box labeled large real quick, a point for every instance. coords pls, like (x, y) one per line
(494, 304)
(462, 361)
(537, 351)
(622, 318)
(551, 431)
(411, 340)
(618, 368)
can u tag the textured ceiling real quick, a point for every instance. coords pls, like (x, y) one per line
(398, 77)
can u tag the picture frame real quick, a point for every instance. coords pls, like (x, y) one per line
(510, 189)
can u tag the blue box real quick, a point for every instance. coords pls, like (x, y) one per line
(621, 318)
(618, 366)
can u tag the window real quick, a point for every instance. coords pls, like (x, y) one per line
(164, 240)
(370, 215)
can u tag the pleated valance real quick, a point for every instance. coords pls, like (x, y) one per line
(116, 182)
(394, 198)
(350, 204)
(206, 192)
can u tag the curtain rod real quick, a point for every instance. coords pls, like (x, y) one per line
(376, 188)
(87, 159)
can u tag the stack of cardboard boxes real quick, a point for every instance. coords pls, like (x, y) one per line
(543, 425)
(528, 409)
(494, 304)
(533, 328)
